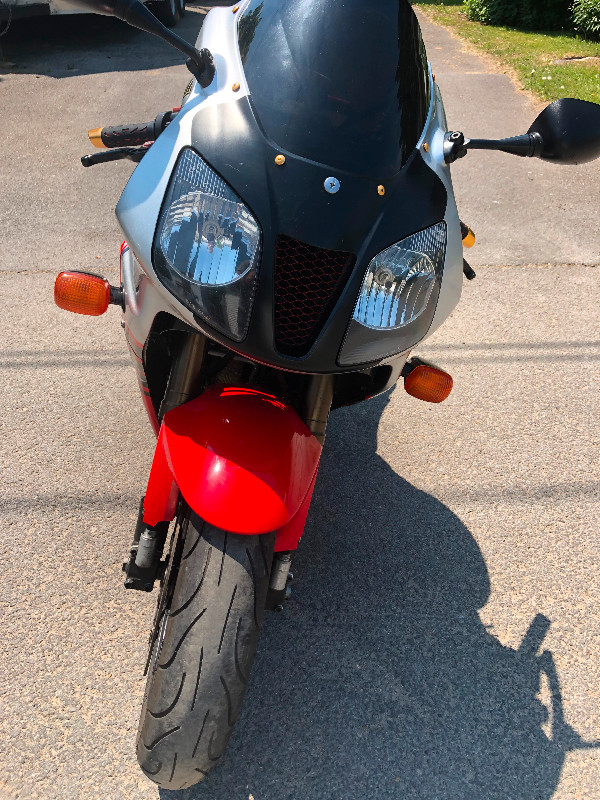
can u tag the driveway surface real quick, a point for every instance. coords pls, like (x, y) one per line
(523, 210)
(443, 637)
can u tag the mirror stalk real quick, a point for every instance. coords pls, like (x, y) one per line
(529, 145)
(456, 146)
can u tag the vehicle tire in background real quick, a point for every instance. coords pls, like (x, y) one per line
(166, 11)
(204, 653)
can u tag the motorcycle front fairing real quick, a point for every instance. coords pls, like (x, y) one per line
(239, 136)
(390, 187)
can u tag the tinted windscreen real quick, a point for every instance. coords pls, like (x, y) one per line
(342, 82)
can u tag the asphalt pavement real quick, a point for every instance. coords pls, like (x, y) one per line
(442, 641)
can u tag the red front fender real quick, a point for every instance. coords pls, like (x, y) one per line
(243, 460)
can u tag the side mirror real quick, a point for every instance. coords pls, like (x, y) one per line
(570, 130)
(200, 63)
(567, 131)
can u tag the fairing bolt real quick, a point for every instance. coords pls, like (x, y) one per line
(381, 190)
(235, 87)
(280, 160)
(332, 185)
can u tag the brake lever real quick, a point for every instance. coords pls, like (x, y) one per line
(116, 154)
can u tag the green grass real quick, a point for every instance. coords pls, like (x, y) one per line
(530, 55)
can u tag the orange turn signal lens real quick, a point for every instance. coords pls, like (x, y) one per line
(428, 383)
(82, 293)
(469, 239)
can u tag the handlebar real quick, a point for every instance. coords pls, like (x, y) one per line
(131, 135)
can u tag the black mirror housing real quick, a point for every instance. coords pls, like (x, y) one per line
(570, 130)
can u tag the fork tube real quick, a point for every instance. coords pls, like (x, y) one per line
(184, 379)
(317, 404)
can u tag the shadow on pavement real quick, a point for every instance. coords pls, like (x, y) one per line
(86, 44)
(379, 680)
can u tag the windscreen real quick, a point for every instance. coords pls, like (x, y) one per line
(341, 82)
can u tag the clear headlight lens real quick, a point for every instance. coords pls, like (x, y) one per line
(208, 247)
(397, 299)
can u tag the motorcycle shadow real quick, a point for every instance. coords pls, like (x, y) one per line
(379, 680)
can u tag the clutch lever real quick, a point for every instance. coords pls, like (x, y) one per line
(116, 154)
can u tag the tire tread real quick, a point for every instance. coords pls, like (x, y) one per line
(203, 662)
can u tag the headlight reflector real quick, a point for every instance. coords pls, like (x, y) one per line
(397, 299)
(208, 246)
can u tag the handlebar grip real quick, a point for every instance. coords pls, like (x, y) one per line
(123, 135)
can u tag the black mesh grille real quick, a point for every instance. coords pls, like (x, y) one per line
(308, 283)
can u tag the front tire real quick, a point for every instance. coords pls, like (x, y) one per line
(204, 653)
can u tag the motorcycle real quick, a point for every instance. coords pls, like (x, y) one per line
(291, 235)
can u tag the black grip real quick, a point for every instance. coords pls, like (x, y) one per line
(128, 135)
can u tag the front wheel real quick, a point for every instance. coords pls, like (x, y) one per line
(204, 652)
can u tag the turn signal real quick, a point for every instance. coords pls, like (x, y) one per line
(82, 293)
(468, 237)
(428, 383)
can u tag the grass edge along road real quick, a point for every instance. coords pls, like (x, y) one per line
(531, 56)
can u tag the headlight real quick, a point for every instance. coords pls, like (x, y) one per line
(207, 247)
(397, 299)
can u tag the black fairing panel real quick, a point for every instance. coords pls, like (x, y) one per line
(291, 200)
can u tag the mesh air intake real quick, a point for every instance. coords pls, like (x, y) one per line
(308, 282)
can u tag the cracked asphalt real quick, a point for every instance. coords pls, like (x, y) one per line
(443, 636)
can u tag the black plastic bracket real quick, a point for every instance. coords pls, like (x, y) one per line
(413, 363)
(117, 296)
(455, 146)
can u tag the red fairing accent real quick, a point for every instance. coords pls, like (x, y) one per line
(242, 459)
(124, 246)
(162, 492)
(288, 537)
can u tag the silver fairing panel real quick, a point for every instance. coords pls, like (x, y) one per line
(433, 136)
(139, 207)
(140, 204)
